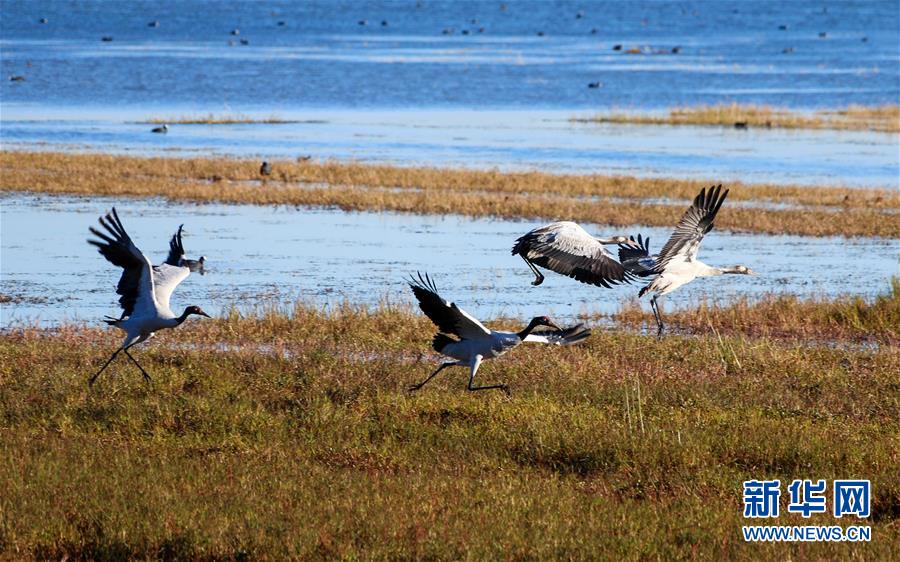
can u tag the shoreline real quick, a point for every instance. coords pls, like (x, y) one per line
(610, 200)
(880, 119)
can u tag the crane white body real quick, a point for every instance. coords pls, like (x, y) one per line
(476, 342)
(145, 289)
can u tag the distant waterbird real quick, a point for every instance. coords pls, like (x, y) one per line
(677, 263)
(265, 169)
(144, 288)
(163, 129)
(566, 248)
(176, 254)
(467, 342)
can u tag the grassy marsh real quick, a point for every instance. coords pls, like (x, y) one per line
(623, 447)
(855, 117)
(613, 200)
(847, 319)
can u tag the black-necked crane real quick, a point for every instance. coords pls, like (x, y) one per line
(144, 288)
(265, 169)
(566, 248)
(677, 263)
(176, 254)
(477, 343)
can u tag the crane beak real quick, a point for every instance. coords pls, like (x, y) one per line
(201, 313)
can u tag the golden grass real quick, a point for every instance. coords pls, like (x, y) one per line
(212, 119)
(847, 319)
(612, 200)
(855, 117)
(623, 447)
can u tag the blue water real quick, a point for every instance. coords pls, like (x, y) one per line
(321, 57)
(273, 255)
(500, 96)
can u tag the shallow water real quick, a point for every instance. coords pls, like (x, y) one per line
(265, 255)
(321, 56)
(500, 96)
(507, 140)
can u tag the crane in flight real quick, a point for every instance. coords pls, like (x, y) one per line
(144, 289)
(473, 342)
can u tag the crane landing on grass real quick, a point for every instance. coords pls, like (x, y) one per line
(566, 248)
(677, 263)
(477, 343)
(144, 288)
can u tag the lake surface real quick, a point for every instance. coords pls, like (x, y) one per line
(519, 54)
(268, 255)
(507, 140)
(491, 92)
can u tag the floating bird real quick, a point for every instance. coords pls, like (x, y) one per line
(595, 85)
(265, 169)
(477, 343)
(677, 263)
(106, 38)
(144, 288)
(16, 78)
(617, 47)
(154, 23)
(740, 124)
(235, 31)
(565, 247)
(164, 129)
(245, 41)
(43, 20)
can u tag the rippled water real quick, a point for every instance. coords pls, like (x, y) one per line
(265, 255)
(507, 140)
(500, 95)
(322, 57)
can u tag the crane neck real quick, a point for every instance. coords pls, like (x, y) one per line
(527, 330)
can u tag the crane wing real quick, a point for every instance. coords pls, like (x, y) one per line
(165, 278)
(448, 317)
(136, 284)
(566, 248)
(694, 224)
(567, 336)
(635, 257)
(176, 248)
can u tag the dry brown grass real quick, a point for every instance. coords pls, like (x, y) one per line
(622, 447)
(612, 200)
(847, 319)
(855, 117)
(211, 119)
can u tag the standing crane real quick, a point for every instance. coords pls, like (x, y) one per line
(477, 343)
(566, 248)
(144, 288)
(677, 263)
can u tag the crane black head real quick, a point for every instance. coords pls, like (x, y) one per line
(193, 309)
(535, 322)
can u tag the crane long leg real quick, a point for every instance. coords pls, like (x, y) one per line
(538, 276)
(443, 366)
(659, 322)
(476, 362)
(105, 365)
(146, 376)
